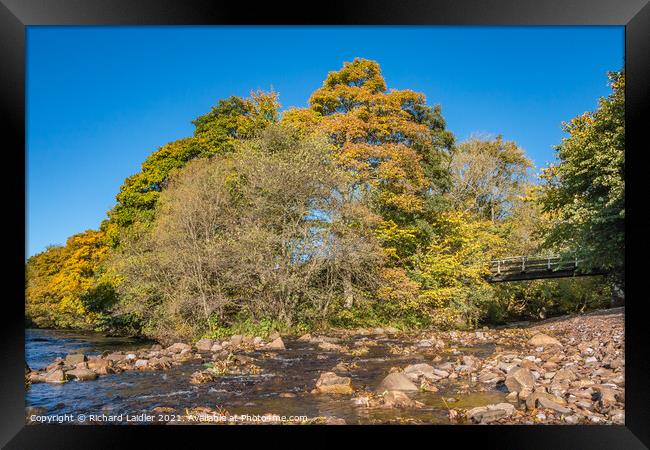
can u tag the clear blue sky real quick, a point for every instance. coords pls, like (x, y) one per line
(100, 99)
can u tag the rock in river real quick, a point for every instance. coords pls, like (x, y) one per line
(397, 381)
(518, 379)
(276, 344)
(55, 376)
(204, 345)
(81, 374)
(74, 359)
(398, 399)
(490, 413)
(331, 383)
(178, 347)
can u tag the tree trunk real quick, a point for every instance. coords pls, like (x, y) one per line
(347, 290)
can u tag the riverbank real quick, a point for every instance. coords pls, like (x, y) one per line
(565, 370)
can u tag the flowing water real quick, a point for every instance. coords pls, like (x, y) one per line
(294, 370)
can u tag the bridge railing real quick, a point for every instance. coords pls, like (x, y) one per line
(523, 264)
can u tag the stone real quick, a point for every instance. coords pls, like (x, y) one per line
(550, 404)
(396, 382)
(398, 399)
(426, 385)
(55, 376)
(440, 373)
(114, 357)
(204, 345)
(257, 340)
(81, 374)
(276, 344)
(287, 395)
(547, 401)
(604, 394)
(236, 339)
(391, 330)
(35, 377)
(334, 421)
(156, 347)
(330, 347)
(178, 347)
(414, 371)
(273, 336)
(216, 348)
(564, 374)
(141, 363)
(490, 413)
(519, 378)
(544, 340)
(305, 338)
(331, 383)
(74, 359)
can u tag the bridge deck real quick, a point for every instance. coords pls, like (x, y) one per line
(534, 268)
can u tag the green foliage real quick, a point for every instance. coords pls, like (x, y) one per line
(247, 326)
(584, 194)
(539, 299)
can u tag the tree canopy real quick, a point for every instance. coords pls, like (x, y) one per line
(357, 210)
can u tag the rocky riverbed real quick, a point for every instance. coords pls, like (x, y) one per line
(568, 370)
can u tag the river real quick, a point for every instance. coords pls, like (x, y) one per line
(291, 371)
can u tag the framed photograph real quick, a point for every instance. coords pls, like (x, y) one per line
(383, 217)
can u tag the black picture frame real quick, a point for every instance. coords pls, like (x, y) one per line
(15, 15)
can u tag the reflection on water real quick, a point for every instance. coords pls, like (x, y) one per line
(294, 370)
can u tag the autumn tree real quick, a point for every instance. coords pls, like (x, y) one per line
(395, 146)
(258, 233)
(488, 175)
(60, 279)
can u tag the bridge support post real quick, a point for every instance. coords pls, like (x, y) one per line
(618, 295)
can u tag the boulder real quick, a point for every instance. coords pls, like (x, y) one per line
(204, 345)
(178, 347)
(547, 403)
(519, 378)
(490, 413)
(276, 344)
(330, 347)
(55, 376)
(604, 394)
(415, 371)
(543, 340)
(331, 383)
(35, 377)
(564, 374)
(115, 356)
(543, 399)
(141, 363)
(396, 381)
(81, 375)
(236, 339)
(398, 399)
(74, 359)
(216, 348)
